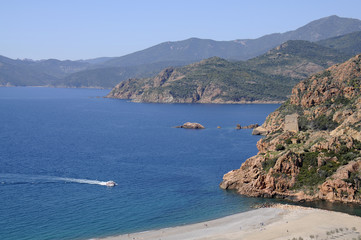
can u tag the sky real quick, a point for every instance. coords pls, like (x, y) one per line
(85, 29)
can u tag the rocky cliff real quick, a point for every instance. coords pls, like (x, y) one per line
(317, 157)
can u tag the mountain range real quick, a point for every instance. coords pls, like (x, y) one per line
(267, 78)
(107, 72)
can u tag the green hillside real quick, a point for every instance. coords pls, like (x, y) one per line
(349, 43)
(269, 77)
(296, 59)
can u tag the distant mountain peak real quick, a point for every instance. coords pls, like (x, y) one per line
(147, 62)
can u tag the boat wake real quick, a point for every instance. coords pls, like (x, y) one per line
(11, 179)
(87, 181)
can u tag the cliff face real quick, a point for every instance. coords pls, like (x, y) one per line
(322, 158)
(166, 87)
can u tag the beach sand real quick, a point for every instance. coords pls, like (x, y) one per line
(276, 222)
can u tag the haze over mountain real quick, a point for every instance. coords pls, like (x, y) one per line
(18, 73)
(107, 72)
(108, 77)
(188, 51)
(195, 49)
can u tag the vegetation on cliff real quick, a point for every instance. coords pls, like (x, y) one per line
(323, 159)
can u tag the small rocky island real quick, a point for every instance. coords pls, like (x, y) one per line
(312, 144)
(190, 125)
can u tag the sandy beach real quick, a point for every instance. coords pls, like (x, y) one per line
(276, 222)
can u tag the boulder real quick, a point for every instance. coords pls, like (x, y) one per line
(260, 131)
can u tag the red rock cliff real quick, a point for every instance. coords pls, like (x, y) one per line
(323, 159)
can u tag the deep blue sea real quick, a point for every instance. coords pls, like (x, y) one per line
(57, 146)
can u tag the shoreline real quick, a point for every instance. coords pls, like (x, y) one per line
(277, 222)
(50, 86)
(220, 103)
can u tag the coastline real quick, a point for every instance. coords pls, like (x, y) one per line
(277, 222)
(200, 102)
(51, 86)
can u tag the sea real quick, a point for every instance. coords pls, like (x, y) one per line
(58, 147)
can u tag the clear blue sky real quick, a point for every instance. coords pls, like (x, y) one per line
(83, 29)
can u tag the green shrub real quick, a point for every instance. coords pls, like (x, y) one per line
(280, 147)
(308, 175)
(357, 144)
(342, 100)
(303, 123)
(287, 108)
(268, 164)
(310, 158)
(325, 73)
(311, 175)
(356, 83)
(324, 122)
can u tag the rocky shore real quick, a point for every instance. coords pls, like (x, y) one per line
(312, 144)
(251, 126)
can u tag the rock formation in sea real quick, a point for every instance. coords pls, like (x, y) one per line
(312, 144)
(190, 125)
(251, 126)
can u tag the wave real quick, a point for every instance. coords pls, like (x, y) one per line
(15, 179)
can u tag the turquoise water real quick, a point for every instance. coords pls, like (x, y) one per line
(57, 146)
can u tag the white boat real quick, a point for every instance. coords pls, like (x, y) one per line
(110, 184)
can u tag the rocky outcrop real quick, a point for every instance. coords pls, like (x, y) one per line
(190, 125)
(251, 126)
(170, 86)
(312, 147)
(259, 131)
(344, 184)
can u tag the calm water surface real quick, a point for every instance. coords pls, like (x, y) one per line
(57, 146)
